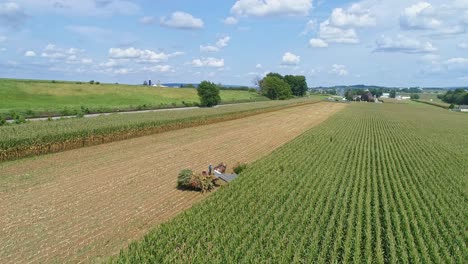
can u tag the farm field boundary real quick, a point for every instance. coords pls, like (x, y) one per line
(85, 204)
(13, 147)
(34, 98)
(377, 183)
(441, 105)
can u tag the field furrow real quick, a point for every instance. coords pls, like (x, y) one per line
(377, 183)
(84, 204)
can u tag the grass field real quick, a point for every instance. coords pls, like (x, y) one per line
(52, 136)
(86, 204)
(431, 96)
(377, 183)
(42, 98)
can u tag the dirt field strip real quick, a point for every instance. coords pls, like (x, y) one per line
(86, 204)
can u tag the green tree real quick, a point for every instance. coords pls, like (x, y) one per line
(274, 74)
(297, 83)
(209, 94)
(392, 93)
(275, 88)
(414, 96)
(349, 94)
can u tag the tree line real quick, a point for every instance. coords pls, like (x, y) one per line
(278, 87)
(458, 96)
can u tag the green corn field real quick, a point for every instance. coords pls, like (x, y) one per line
(376, 183)
(42, 137)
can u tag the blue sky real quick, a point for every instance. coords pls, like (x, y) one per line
(383, 42)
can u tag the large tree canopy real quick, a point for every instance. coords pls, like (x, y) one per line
(297, 83)
(209, 94)
(275, 88)
(458, 96)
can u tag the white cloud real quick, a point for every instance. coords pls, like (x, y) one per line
(111, 63)
(208, 48)
(258, 66)
(67, 55)
(339, 70)
(330, 33)
(140, 55)
(261, 8)
(444, 19)
(182, 20)
(403, 44)
(220, 43)
(290, 59)
(354, 17)
(123, 71)
(457, 61)
(53, 55)
(147, 20)
(11, 15)
(3, 39)
(317, 43)
(230, 20)
(208, 62)
(419, 16)
(223, 42)
(310, 26)
(30, 53)
(159, 68)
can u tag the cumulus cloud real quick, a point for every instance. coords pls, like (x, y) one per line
(223, 42)
(353, 17)
(12, 15)
(230, 20)
(439, 20)
(30, 53)
(3, 39)
(182, 20)
(334, 34)
(258, 66)
(52, 52)
(290, 59)
(419, 16)
(208, 62)
(262, 8)
(339, 70)
(140, 55)
(317, 43)
(220, 43)
(403, 44)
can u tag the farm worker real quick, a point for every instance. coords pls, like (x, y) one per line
(209, 169)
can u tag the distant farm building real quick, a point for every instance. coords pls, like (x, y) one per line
(399, 97)
(385, 95)
(463, 108)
